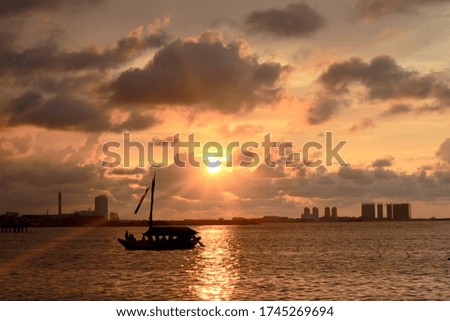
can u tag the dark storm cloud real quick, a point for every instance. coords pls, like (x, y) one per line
(383, 80)
(59, 112)
(383, 162)
(17, 7)
(376, 9)
(295, 20)
(47, 56)
(444, 151)
(206, 72)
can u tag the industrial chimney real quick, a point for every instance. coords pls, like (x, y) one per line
(59, 204)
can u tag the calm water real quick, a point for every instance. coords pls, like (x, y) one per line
(327, 261)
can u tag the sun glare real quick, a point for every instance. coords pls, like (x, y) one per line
(212, 166)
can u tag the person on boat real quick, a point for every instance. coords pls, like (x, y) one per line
(126, 235)
(131, 238)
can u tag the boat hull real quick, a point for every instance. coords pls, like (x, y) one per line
(134, 245)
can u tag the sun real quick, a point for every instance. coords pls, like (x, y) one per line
(214, 165)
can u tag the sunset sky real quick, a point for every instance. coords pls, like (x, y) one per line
(375, 73)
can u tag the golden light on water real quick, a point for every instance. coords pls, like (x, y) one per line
(217, 271)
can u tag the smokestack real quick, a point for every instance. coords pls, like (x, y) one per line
(59, 204)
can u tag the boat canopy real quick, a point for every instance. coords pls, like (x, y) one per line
(178, 231)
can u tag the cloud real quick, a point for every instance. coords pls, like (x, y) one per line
(376, 9)
(351, 185)
(48, 57)
(44, 77)
(397, 109)
(246, 130)
(383, 80)
(18, 7)
(30, 185)
(204, 72)
(22, 143)
(85, 153)
(363, 124)
(135, 121)
(383, 162)
(67, 113)
(431, 108)
(62, 112)
(356, 175)
(129, 171)
(323, 109)
(444, 151)
(16, 145)
(295, 20)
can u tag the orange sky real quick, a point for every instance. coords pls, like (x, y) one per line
(374, 73)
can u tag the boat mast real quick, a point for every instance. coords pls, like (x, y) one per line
(150, 218)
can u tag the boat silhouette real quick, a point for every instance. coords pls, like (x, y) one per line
(160, 238)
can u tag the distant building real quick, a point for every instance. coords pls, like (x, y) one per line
(308, 216)
(389, 211)
(315, 211)
(59, 203)
(380, 211)
(402, 212)
(334, 213)
(100, 209)
(101, 205)
(368, 211)
(327, 212)
(114, 216)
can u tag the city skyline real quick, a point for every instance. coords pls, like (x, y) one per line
(375, 76)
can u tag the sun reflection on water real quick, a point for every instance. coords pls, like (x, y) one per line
(217, 267)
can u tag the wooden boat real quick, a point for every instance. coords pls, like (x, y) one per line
(163, 238)
(160, 238)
